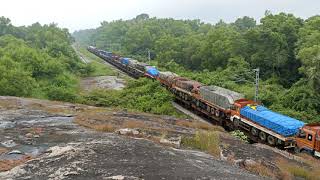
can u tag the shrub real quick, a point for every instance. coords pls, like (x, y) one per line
(204, 140)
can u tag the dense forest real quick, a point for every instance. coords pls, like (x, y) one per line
(285, 48)
(38, 61)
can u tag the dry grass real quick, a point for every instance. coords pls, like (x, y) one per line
(9, 103)
(6, 165)
(104, 127)
(36, 130)
(199, 125)
(206, 141)
(261, 170)
(107, 127)
(314, 164)
(3, 150)
(311, 161)
(289, 170)
(133, 124)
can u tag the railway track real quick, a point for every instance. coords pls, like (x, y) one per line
(190, 113)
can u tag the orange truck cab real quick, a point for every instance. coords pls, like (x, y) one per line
(308, 139)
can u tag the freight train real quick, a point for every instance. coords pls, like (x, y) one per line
(130, 66)
(227, 108)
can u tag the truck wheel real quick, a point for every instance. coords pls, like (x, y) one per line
(217, 113)
(271, 140)
(262, 136)
(296, 150)
(254, 131)
(208, 108)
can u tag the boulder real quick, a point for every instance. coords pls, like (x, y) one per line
(175, 141)
(128, 131)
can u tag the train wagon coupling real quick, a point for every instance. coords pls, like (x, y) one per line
(226, 108)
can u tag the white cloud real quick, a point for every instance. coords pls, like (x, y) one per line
(80, 14)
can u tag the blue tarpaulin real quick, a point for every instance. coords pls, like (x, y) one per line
(125, 61)
(281, 124)
(152, 71)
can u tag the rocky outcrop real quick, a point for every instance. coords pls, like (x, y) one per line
(51, 146)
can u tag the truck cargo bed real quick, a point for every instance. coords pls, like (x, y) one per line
(281, 124)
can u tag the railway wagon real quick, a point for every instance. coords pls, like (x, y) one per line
(166, 78)
(151, 72)
(217, 100)
(117, 61)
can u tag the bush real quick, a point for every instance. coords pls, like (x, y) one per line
(240, 135)
(62, 94)
(141, 95)
(204, 140)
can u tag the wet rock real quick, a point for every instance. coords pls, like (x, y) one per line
(57, 150)
(15, 152)
(108, 156)
(175, 141)
(9, 143)
(76, 152)
(120, 177)
(13, 173)
(128, 131)
(7, 124)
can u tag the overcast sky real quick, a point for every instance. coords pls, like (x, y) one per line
(83, 14)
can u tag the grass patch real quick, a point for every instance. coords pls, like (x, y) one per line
(204, 140)
(100, 69)
(96, 64)
(290, 170)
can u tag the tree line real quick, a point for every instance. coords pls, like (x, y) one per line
(38, 61)
(286, 48)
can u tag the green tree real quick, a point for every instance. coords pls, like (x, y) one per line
(245, 23)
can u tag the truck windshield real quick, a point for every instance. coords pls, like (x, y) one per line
(302, 134)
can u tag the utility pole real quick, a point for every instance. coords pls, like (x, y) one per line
(149, 57)
(257, 71)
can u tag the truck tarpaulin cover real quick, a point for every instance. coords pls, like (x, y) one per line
(125, 61)
(152, 71)
(281, 124)
(224, 98)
